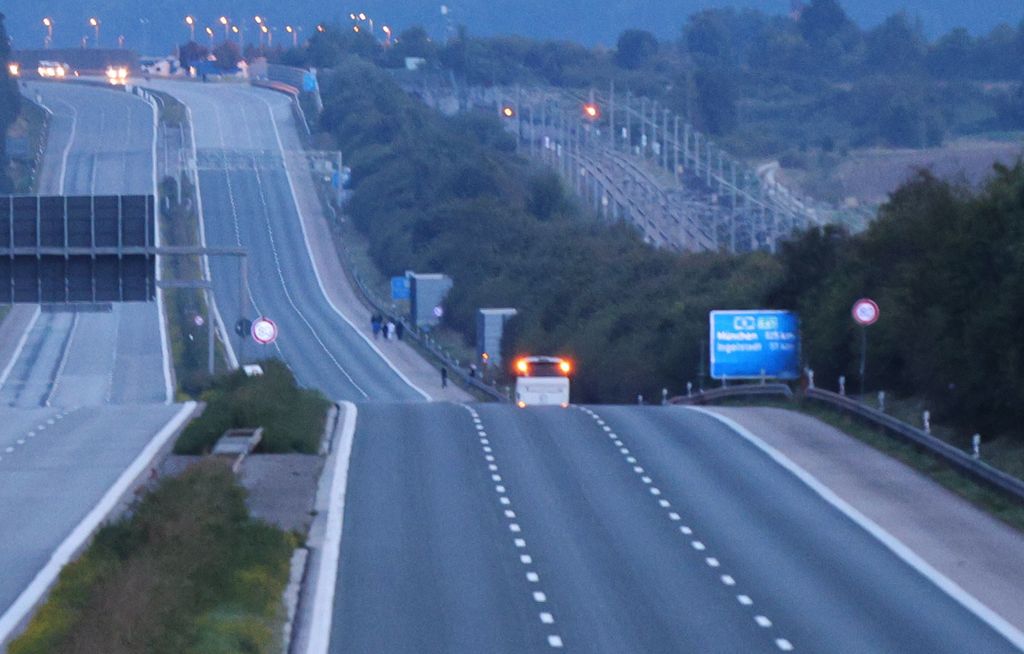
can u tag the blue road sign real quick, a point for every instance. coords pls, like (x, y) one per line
(399, 288)
(755, 344)
(309, 84)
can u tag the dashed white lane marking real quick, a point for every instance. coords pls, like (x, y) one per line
(553, 640)
(712, 562)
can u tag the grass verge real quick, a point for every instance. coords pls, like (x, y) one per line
(188, 572)
(292, 417)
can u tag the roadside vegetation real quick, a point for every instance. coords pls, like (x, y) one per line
(292, 417)
(803, 88)
(188, 572)
(10, 106)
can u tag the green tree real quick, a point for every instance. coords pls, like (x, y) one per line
(635, 48)
(10, 104)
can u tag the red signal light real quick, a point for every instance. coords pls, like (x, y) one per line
(591, 111)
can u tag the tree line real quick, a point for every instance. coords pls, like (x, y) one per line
(764, 85)
(450, 195)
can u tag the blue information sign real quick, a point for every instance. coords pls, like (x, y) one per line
(755, 344)
(399, 288)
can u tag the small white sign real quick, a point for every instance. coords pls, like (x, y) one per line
(198, 320)
(865, 312)
(438, 311)
(264, 331)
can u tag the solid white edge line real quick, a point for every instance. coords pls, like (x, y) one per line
(162, 316)
(312, 259)
(225, 337)
(951, 588)
(322, 611)
(29, 597)
(20, 347)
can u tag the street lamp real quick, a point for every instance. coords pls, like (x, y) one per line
(224, 21)
(48, 24)
(387, 32)
(209, 33)
(294, 31)
(320, 28)
(96, 26)
(191, 22)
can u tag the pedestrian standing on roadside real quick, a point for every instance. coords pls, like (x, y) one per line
(385, 331)
(444, 377)
(375, 323)
(391, 329)
(399, 329)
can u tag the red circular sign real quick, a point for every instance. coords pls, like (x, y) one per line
(865, 312)
(264, 331)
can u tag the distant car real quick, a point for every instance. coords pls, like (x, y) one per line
(53, 69)
(117, 74)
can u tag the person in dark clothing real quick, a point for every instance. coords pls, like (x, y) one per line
(375, 322)
(444, 377)
(399, 329)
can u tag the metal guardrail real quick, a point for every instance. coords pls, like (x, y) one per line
(977, 470)
(745, 390)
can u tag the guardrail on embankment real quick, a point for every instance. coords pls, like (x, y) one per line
(976, 469)
(746, 390)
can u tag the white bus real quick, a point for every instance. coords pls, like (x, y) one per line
(542, 381)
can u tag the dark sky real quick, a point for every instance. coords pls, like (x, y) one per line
(156, 25)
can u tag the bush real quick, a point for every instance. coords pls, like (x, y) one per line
(189, 572)
(292, 417)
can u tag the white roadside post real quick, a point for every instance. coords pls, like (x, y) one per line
(976, 446)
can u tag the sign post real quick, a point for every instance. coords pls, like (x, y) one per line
(865, 313)
(756, 344)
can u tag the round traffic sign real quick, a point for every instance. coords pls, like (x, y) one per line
(438, 311)
(264, 331)
(198, 321)
(865, 312)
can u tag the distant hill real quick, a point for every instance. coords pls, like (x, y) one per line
(157, 27)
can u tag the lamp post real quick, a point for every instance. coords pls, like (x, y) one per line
(209, 33)
(387, 35)
(95, 23)
(260, 28)
(48, 24)
(294, 31)
(191, 22)
(225, 22)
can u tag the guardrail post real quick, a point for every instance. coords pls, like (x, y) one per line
(640, 399)
(689, 389)
(976, 446)
(926, 418)
(810, 378)
(664, 396)
(842, 385)
(881, 401)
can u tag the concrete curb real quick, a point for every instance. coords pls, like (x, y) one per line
(312, 630)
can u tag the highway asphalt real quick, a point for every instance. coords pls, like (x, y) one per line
(55, 464)
(247, 201)
(100, 142)
(642, 529)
